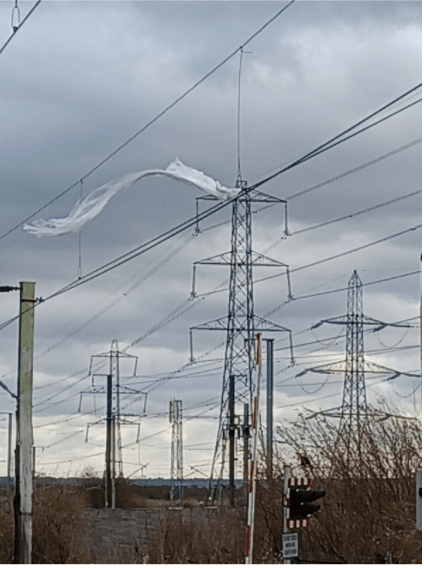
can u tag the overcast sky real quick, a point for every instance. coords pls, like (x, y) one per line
(80, 78)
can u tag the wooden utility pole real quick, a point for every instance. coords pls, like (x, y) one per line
(24, 436)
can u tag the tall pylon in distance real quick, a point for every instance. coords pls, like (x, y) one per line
(354, 412)
(177, 474)
(113, 390)
(240, 325)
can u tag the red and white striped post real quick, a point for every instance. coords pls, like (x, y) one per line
(251, 486)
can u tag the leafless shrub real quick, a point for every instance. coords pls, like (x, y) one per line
(368, 513)
(220, 541)
(58, 530)
(6, 526)
(58, 526)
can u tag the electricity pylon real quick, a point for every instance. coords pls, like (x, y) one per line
(240, 325)
(354, 411)
(176, 419)
(114, 417)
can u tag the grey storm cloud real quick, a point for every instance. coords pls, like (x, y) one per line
(82, 77)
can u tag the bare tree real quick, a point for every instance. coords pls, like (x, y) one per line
(368, 514)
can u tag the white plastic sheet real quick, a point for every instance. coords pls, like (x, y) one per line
(87, 209)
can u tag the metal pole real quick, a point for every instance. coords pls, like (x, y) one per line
(245, 443)
(172, 421)
(118, 419)
(108, 484)
(34, 457)
(180, 453)
(269, 404)
(9, 451)
(251, 490)
(231, 440)
(24, 481)
(113, 463)
(287, 475)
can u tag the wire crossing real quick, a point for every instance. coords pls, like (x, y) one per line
(335, 142)
(148, 124)
(214, 209)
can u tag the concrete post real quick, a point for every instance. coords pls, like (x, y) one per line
(24, 440)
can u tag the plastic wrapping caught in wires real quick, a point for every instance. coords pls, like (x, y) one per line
(87, 209)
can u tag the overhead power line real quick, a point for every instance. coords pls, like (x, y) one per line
(356, 169)
(155, 382)
(319, 293)
(362, 211)
(348, 216)
(194, 220)
(150, 123)
(325, 183)
(20, 26)
(382, 240)
(215, 208)
(363, 284)
(335, 141)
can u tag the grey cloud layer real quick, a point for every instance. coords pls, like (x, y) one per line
(82, 77)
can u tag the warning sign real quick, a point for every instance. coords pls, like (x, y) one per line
(290, 545)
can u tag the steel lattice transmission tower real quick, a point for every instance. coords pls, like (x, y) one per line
(240, 325)
(354, 412)
(113, 391)
(176, 419)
